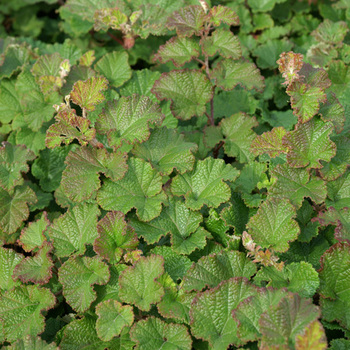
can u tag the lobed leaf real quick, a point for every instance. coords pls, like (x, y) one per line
(80, 178)
(115, 67)
(141, 188)
(8, 261)
(115, 237)
(270, 142)
(153, 333)
(289, 64)
(239, 136)
(13, 59)
(138, 283)
(112, 318)
(309, 144)
(314, 337)
(218, 14)
(31, 342)
(228, 74)
(189, 91)
(74, 229)
(204, 185)
(77, 276)
(129, 119)
(179, 50)
(273, 226)
(212, 269)
(88, 93)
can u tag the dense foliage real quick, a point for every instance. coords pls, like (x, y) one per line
(174, 174)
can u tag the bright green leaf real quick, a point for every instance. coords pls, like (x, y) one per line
(8, 261)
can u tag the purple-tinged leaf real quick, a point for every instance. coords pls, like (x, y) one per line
(289, 64)
(309, 144)
(115, 237)
(218, 14)
(88, 93)
(179, 50)
(229, 73)
(187, 21)
(189, 91)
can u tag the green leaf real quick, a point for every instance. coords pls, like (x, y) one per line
(229, 73)
(296, 184)
(175, 265)
(77, 275)
(309, 144)
(14, 58)
(80, 179)
(210, 313)
(141, 188)
(223, 14)
(187, 21)
(115, 67)
(74, 229)
(330, 32)
(8, 261)
(13, 162)
(10, 105)
(129, 119)
(273, 226)
(333, 111)
(36, 269)
(48, 167)
(138, 283)
(76, 73)
(281, 323)
(268, 53)
(166, 150)
(210, 270)
(270, 142)
(21, 311)
(299, 278)
(31, 342)
(189, 91)
(314, 337)
(112, 318)
(115, 237)
(68, 127)
(239, 136)
(35, 141)
(154, 333)
(249, 311)
(308, 228)
(222, 41)
(263, 5)
(179, 50)
(14, 207)
(205, 185)
(88, 93)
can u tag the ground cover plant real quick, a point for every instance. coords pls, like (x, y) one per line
(174, 174)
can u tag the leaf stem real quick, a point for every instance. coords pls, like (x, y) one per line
(217, 148)
(115, 38)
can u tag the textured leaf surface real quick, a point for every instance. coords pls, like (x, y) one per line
(138, 283)
(14, 207)
(189, 91)
(87, 94)
(68, 127)
(224, 14)
(77, 227)
(8, 261)
(31, 342)
(187, 21)
(154, 333)
(115, 67)
(13, 59)
(239, 136)
(223, 42)
(229, 74)
(282, 323)
(112, 318)
(212, 269)
(314, 337)
(179, 50)
(36, 269)
(166, 150)
(77, 275)
(13, 162)
(141, 188)
(296, 184)
(20, 311)
(80, 179)
(270, 142)
(115, 237)
(204, 185)
(129, 119)
(210, 313)
(273, 226)
(309, 144)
